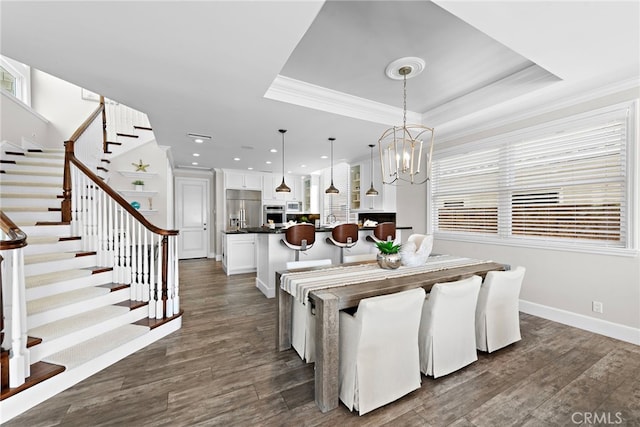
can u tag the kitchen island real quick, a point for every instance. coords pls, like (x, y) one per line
(271, 255)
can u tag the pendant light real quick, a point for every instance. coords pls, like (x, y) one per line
(332, 189)
(401, 147)
(282, 188)
(371, 191)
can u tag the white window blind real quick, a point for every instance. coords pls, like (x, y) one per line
(562, 183)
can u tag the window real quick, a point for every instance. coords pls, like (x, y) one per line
(564, 183)
(15, 79)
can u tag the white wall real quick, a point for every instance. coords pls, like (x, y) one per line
(561, 284)
(61, 103)
(21, 123)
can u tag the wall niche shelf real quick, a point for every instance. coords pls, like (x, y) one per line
(138, 175)
(134, 193)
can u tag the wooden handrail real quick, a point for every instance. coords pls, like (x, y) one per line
(83, 127)
(114, 195)
(17, 237)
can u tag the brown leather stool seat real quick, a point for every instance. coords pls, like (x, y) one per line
(344, 236)
(299, 237)
(384, 232)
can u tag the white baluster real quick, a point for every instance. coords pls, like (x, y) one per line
(126, 271)
(169, 260)
(176, 282)
(161, 260)
(146, 255)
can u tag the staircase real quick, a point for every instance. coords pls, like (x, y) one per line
(78, 320)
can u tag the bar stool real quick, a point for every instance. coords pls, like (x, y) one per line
(299, 237)
(384, 232)
(344, 236)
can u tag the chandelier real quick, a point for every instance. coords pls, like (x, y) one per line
(403, 155)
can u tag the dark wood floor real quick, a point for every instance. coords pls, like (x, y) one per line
(221, 369)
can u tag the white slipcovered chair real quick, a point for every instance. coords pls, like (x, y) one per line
(447, 330)
(416, 250)
(379, 360)
(497, 314)
(303, 326)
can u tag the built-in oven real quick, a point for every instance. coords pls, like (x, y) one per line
(294, 207)
(275, 213)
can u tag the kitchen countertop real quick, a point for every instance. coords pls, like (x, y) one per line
(278, 230)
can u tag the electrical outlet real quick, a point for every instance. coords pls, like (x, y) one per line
(596, 306)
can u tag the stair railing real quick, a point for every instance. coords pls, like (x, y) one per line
(142, 255)
(12, 293)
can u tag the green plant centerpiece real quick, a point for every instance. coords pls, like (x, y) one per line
(138, 184)
(389, 255)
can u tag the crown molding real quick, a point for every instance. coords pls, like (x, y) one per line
(297, 92)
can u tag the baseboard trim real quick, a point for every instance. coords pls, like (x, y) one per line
(265, 289)
(27, 399)
(602, 327)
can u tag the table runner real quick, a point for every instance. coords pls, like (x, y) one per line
(299, 284)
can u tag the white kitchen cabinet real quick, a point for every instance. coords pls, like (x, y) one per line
(239, 253)
(271, 181)
(242, 181)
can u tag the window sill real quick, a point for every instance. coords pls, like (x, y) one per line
(538, 244)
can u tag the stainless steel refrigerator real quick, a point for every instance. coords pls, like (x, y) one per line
(244, 208)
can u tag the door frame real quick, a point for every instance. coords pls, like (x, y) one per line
(207, 180)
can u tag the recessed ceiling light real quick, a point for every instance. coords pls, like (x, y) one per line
(194, 163)
(198, 140)
(250, 168)
(273, 150)
(268, 162)
(237, 159)
(288, 171)
(196, 155)
(324, 157)
(198, 135)
(303, 166)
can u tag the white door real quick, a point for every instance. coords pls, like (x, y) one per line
(192, 207)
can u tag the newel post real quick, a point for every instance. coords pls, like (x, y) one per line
(104, 125)
(66, 182)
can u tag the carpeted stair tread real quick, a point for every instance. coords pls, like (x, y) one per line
(54, 277)
(33, 173)
(95, 347)
(31, 184)
(81, 321)
(28, 196)
(25, 209)
(54, 256)
(65, 298)
(41, 164)
(42, 240)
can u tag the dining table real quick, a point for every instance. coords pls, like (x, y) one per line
(338, 287)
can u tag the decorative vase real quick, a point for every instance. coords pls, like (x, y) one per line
(139, 187)
(389, 261)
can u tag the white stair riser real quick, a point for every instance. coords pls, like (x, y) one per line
(58, 313)
(47, 230)
(46, 348)
(68, 285)
(20, 217)
(35, 166)
(43, 248)
(49, 202)
(59, 265)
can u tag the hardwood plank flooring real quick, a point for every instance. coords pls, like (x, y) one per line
(222, 369)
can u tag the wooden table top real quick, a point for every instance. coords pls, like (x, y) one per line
(350, 295)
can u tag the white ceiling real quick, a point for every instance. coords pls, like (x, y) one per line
(206, 66)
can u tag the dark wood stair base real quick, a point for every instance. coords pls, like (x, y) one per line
(128, 135)
(11, 162)
(114, 143)
(132, 305)
(40, 371)
(114, 286)
(154, 323)
(14, 153)
(52, 223)
(142, 128)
